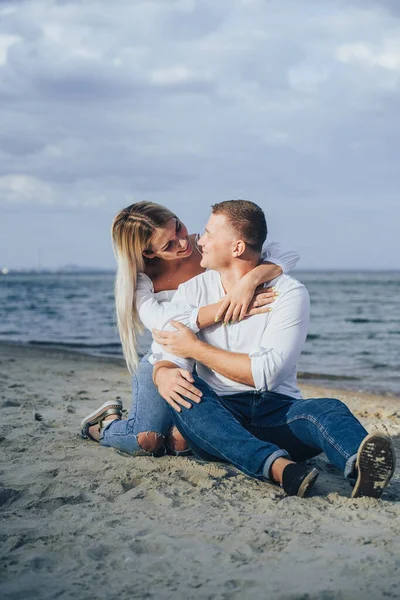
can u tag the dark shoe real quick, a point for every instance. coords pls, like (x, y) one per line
(97, 417)
(297, 479)
(375, 464)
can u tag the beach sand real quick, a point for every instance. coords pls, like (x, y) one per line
(84, 522)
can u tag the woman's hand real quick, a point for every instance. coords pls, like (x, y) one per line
(244, 299)
(174, 385)
(260, 302)
(179, 343)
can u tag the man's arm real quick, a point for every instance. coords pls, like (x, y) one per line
(268, 364)
(283, 339)
(179, 346)
(233, 365)
(177, 351)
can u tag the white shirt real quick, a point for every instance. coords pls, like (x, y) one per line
(153, 306)
(273, 341)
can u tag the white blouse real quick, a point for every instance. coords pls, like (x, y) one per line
(153, 306)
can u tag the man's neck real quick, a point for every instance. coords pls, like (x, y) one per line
(234, 273)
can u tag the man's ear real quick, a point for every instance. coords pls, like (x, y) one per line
(239, 248)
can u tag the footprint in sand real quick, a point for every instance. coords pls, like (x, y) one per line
(130, 484)
(11, 404)
(49, 505)
(98, 552)
(8, 495)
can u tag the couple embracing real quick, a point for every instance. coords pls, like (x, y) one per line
(219, 381)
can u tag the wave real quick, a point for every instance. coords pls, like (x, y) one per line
(326, 376)
(111, 345)
(10, 332)
(361, 321)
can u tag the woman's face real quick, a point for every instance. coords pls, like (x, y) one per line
(170, 241)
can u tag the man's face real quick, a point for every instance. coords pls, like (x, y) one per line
(217, 243)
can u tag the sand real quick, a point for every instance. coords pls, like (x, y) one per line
(84, 522)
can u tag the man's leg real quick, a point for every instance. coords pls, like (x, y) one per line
(214, 433)
(327, 424)
(307, 427)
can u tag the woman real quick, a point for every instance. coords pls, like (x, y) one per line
(155, 255)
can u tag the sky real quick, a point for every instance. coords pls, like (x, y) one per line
(293, 104)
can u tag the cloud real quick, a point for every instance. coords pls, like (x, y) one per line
(387, 56)
(6, 42)
(291, 104)
(21, 189)
(17, 190)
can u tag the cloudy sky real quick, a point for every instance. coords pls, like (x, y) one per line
(294, 104)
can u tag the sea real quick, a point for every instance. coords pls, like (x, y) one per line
(353, 341)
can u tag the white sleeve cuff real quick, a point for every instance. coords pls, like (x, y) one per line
(263, 366)
(193, 320)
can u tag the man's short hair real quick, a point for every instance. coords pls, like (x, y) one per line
(246, 218)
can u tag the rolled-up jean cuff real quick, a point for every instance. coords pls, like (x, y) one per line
(105, 426)
(271, 459)
(349, 470)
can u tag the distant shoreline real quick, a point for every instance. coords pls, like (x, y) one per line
(33, 273)
(100, 271)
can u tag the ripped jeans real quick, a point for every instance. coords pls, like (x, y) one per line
(149, 413)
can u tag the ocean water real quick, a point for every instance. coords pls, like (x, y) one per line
(353, 341)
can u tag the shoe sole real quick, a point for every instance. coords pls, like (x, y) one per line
(307, 483)
(376, 462)
(96, 414)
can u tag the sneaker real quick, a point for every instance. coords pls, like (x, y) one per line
(97, 417)
(297, 480)
(375, 465)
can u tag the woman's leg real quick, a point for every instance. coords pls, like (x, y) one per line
(149, 421)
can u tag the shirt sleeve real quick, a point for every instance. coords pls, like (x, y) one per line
(183, 304)
(154, 314)
(158, 354)
(282, 341)
(286, 259)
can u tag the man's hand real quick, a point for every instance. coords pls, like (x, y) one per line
(180, 343)
(173, 384)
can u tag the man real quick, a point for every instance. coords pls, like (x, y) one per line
(251, 412)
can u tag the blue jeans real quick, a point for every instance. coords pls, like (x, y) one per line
(252, 429)
(149, 412)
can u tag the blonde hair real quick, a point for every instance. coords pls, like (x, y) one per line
(131, 232)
